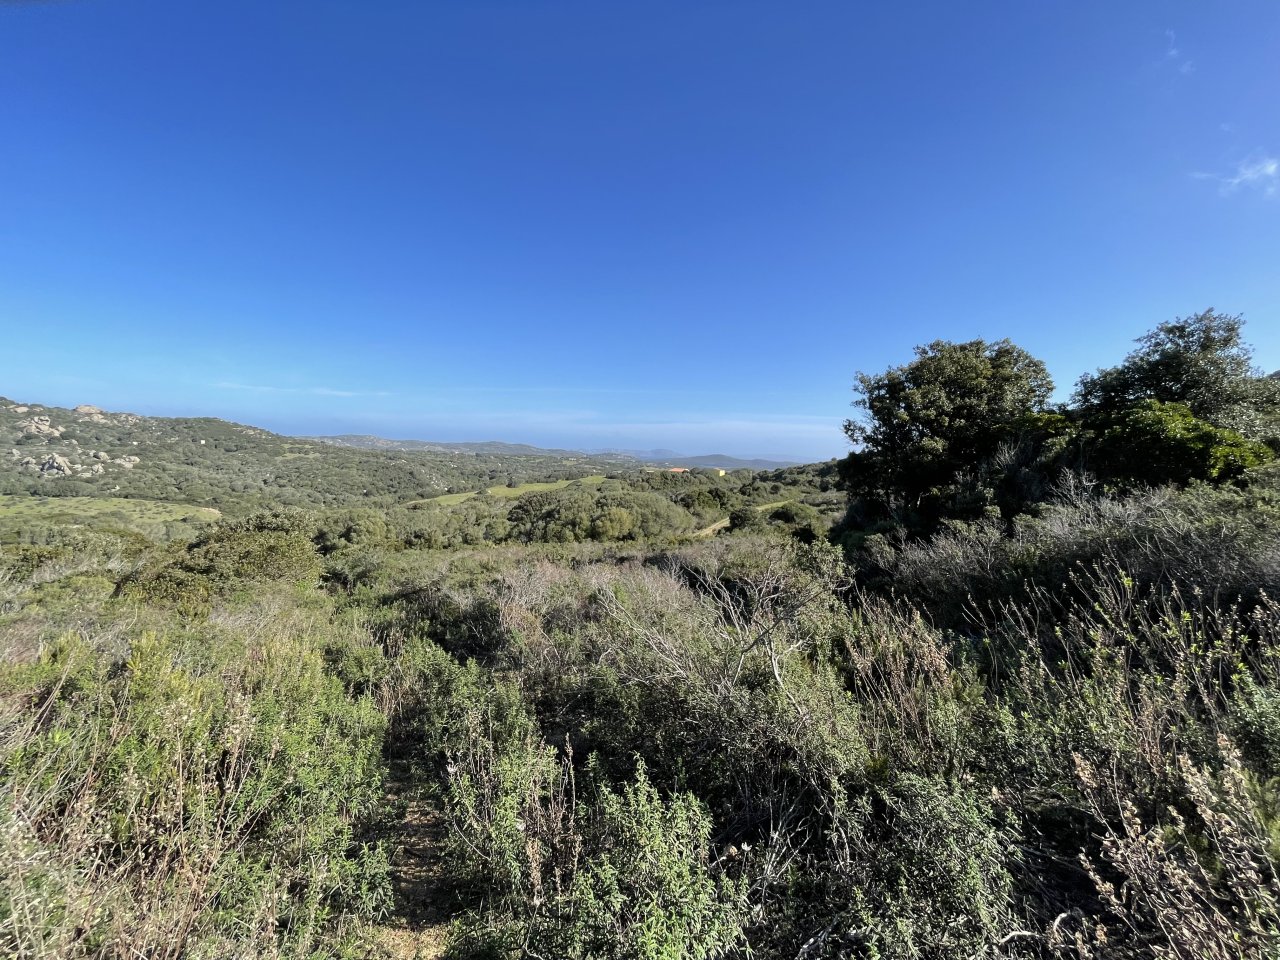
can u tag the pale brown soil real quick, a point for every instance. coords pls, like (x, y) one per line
(417, 927)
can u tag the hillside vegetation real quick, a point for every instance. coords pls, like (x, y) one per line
(59, 452)
(1003, 683)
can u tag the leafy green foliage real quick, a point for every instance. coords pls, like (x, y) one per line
(1155, 442)
(643, 888)
(962, 433)
(1201, 362)
(574, 515)
(745, 518)
(929, 420)
(648, 506)
(274, 546)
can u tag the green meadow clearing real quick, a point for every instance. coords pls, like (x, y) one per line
(502, 490)
(24, 513)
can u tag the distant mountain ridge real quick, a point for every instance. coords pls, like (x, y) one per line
(491, 447)
(658, 457)
(723, 461)
(658, 454)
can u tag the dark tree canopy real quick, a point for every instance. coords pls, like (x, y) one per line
(965, 430)
(950, 408)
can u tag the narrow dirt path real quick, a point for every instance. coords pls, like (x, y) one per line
(417, 928)
(713, 528)
(724, 521)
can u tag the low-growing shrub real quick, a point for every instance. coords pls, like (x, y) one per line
(200, 796)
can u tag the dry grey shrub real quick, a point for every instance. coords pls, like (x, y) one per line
(1139, 689)
(777, 603)
(1221, 541)
(910, 692)
(1200, 890)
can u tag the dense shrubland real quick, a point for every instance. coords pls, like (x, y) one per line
(646, 507)
(1024, 702)
(183, 786)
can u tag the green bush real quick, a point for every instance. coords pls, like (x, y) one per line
(625, 874)
(204, 793)
(933, 879)
(1156, 443)
(644, 888)
(274, 546)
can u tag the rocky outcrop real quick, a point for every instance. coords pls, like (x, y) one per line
(56, 466)
(40, 427)
(92, 414)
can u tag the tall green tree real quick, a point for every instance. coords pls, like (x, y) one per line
(947, 411)
(1202, 362)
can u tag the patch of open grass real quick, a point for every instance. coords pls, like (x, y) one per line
(24, 512)
(452, 499)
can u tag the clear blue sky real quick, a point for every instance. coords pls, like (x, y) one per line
(681, 224)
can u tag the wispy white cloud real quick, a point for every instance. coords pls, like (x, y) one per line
(1260, 172)
(1173, 54)
(306, 391)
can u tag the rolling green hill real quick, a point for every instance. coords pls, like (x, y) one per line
(86, 451)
